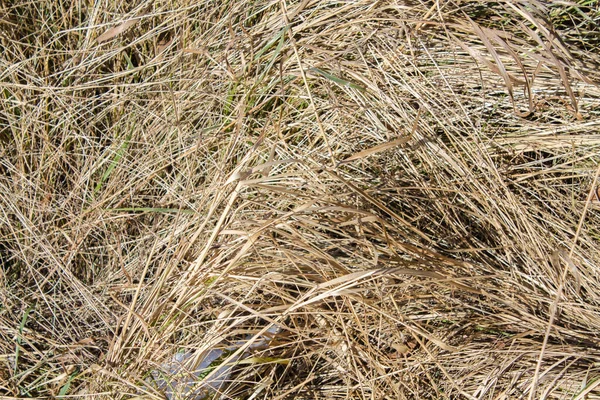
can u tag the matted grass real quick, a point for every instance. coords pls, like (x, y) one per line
(405, 192)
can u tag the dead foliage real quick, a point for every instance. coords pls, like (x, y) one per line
(408, 191)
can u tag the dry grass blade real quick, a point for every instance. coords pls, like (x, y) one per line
(499, 64)
(385, 146)
(245, 203)
(517, 59)
(548, 46)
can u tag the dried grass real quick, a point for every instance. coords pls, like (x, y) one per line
(408, 190)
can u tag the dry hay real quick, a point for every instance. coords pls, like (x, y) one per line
(406, 191)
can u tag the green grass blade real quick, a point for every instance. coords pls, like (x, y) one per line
(19, 337)
(337, 80)
(278, 37)
(65, 388)
(275, 55)
(114, 162)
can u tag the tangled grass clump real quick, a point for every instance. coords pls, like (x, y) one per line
(401, 196)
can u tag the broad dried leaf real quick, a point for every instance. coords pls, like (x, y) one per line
(117, 30)
(377, 149)
(573, 268)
